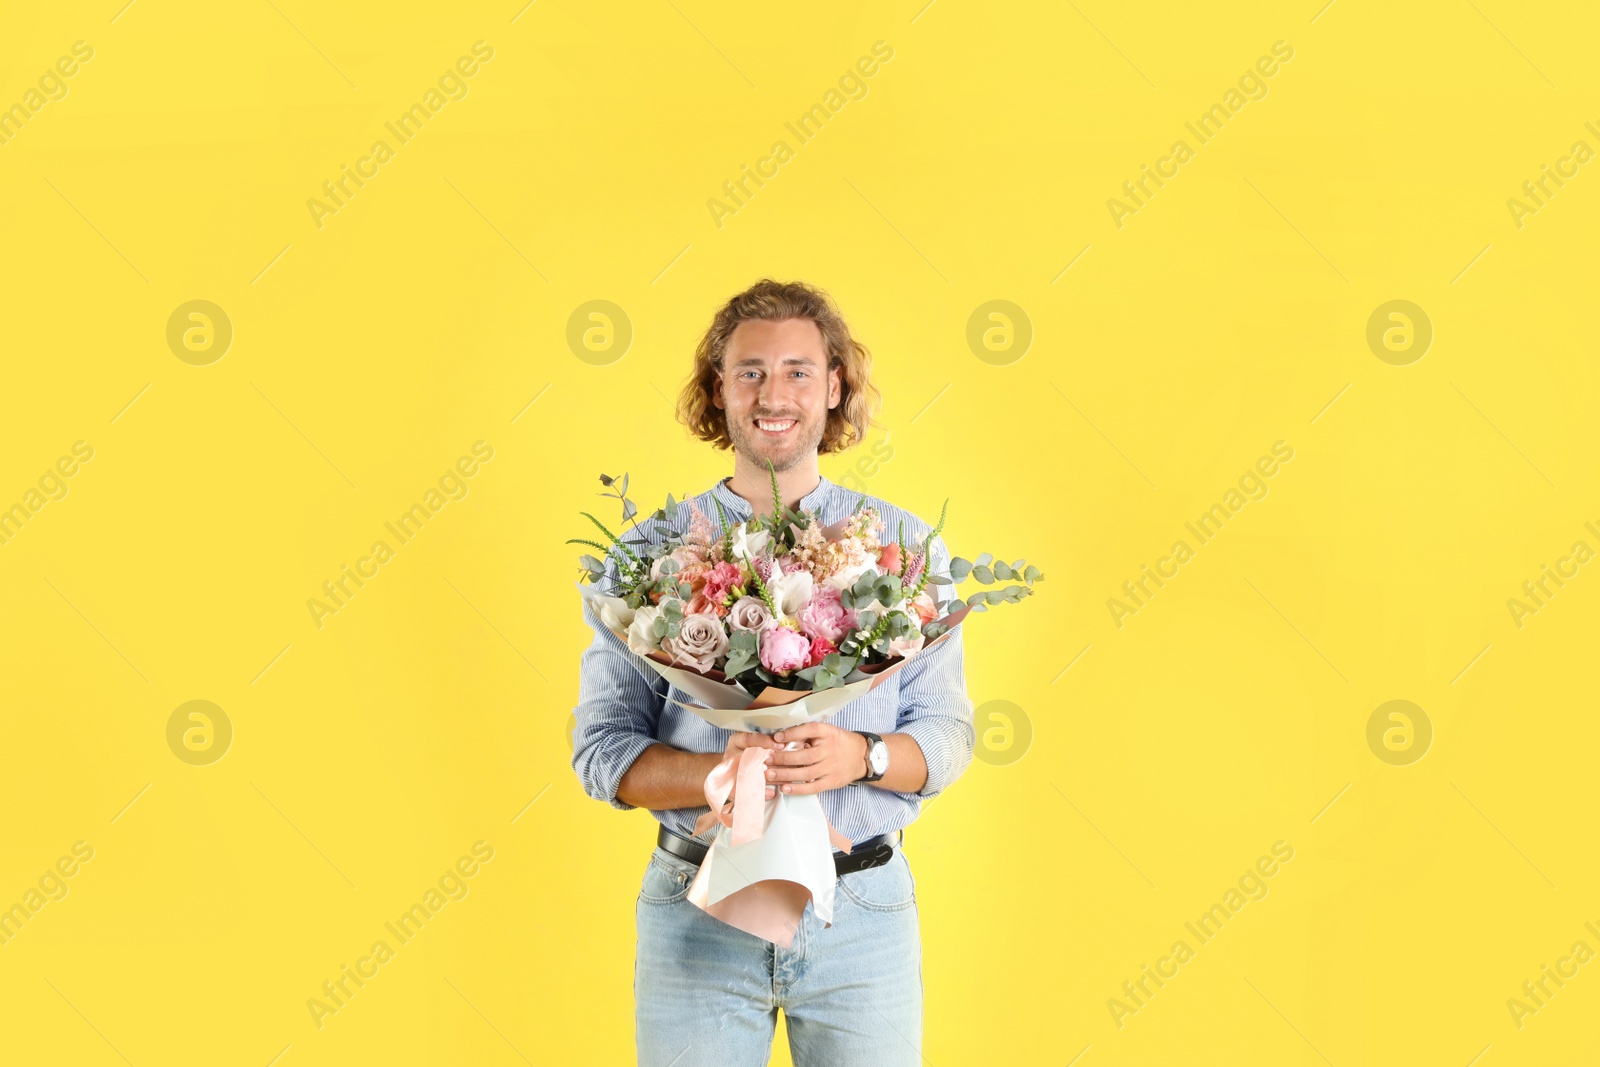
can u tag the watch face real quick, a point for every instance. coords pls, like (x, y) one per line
(880, 757)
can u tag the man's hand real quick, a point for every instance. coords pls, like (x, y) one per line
(738, 742)
(830, 758)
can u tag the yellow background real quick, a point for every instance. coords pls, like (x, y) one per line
(431, 310)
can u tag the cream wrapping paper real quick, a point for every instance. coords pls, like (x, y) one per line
(769, 856)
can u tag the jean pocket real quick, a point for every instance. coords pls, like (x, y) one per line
(666, 879)
(886, 888)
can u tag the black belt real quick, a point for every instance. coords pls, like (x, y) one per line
(871, 852)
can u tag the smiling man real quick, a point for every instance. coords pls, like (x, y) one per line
(779, 379)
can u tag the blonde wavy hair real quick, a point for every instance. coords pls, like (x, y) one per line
(770, 300)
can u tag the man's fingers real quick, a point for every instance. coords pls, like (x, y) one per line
(801, 788)
(790, 774)
(798, 757)
(805, 730)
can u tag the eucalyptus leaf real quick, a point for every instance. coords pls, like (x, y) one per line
(983, 574)
(959, 568)
(984, 560)
(1002, 570)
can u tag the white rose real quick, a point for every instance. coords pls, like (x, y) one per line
(641, 635)
(615, 612)
(846, 576)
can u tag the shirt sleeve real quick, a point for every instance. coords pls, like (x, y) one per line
(620, 701)
(934, 708)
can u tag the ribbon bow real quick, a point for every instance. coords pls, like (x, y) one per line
(740, 777)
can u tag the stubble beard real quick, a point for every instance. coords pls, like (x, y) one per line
(748, 441)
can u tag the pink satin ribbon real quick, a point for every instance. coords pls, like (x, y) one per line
(743, 777)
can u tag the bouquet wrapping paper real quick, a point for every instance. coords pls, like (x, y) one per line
(769, 856)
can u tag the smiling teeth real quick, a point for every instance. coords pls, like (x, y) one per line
(775, 426)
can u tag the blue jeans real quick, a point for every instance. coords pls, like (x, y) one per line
(707, 994)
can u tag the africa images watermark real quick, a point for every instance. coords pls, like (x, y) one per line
(452, 485)
(852, 85)
(52, 885)
(337, 992)
(452, 85)
(52, 486)
(1252, 85)
(1252, 885)
(1538, 192)
(1252, 486)
(1536, 992)
(52, 86)
(1538, 592)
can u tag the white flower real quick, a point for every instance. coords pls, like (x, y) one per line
(789, 591)
(615, 612)
(846, 576)
(748, 544)
(641, 635)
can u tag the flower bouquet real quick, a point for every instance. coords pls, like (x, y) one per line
(770, 623)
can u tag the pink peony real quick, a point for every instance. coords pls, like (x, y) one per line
(784, 650)
(825, 617)
(820, 647)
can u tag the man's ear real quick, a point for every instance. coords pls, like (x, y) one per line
(716, 391)
(835, 389)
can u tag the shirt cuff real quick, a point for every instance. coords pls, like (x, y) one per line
(947, 743)
(607, 768)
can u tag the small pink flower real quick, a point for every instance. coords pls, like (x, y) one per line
(784, 650)
(889, 559)
(924, 608)
(720, 581)
(825, 617)
(820, 647)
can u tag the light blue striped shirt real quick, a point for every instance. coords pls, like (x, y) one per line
(622, 708)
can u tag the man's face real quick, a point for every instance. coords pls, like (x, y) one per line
(776, 389)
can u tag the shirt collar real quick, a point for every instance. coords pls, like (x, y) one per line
(816, 500)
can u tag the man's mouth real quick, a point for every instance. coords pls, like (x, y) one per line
(775, 427)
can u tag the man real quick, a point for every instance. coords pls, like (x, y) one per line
(779, 379)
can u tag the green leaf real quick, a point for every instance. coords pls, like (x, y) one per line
(983, 574)
(1002, 571)
(959, 569)
(939, 579)
(1032, 574)
(984, 559)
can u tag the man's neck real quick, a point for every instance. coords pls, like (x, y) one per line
(752, 482)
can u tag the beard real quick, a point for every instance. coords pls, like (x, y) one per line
(800, 444)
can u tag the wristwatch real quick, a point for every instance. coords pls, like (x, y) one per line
(877, 757)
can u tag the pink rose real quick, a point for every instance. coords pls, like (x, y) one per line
(820, 647)
(924, 608)
(825, 617)
(889, 558)
(784, 650)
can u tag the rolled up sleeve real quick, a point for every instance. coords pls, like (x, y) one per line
(619, 708)
(934, 708)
